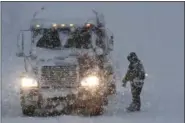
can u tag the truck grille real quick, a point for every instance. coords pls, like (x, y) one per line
(65, 76)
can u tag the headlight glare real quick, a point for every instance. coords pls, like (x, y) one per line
(28, 82)
(90, 81)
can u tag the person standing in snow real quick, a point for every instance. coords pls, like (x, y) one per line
(136, 76)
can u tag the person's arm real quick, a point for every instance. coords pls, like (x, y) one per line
(126, 78)
(141, 73)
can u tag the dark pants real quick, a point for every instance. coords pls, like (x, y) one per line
(136, 91)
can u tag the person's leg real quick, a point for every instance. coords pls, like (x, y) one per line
(136, 101)
(136, 97)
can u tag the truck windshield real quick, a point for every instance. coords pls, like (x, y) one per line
(54, 39)
(49, 39)
(79, 39)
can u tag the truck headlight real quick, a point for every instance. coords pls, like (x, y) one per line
(90, 81)
(28, 82)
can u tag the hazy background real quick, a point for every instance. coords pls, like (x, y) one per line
(154, 30)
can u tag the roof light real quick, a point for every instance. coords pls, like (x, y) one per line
(37, 25)
(71, 24)
(88, 25)
(54, 25)
(63, 25)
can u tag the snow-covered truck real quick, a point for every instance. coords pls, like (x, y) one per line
(68, 65)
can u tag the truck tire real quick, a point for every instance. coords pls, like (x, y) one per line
(94, 107)
(28, 110)
(97, 111)
(112, 89)
(92, 111)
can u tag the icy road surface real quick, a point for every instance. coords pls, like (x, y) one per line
(154, 30)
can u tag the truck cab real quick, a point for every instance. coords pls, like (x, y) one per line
(66, 65)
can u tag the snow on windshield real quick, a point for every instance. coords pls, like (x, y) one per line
(53, 39)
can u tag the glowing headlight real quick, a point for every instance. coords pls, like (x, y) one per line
(90, 81)
(28, 82)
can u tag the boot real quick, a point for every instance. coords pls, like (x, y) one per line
(133, 107)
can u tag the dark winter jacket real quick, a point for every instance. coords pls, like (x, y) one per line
(135, 70)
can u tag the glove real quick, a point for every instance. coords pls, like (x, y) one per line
(124, 83)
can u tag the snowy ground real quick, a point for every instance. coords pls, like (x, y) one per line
(153, 30)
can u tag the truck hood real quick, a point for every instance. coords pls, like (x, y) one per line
(59, 57)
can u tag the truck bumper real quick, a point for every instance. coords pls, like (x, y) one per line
(49, 98)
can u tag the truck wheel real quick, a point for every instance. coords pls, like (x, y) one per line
(95, 107)
(112, 89)
(105, 100)
(28, 110)
(67, 110)
(95, 111)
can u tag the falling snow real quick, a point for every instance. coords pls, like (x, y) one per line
(146, 28)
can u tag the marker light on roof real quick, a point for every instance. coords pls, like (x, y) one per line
(88, 25)
(54, 25)
(37, 25)
(62, 25)
(71, 24)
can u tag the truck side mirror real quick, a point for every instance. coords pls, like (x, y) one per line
(19, 54)
(24, 43)
(111, 43)
(112, 37)
(20, 44)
